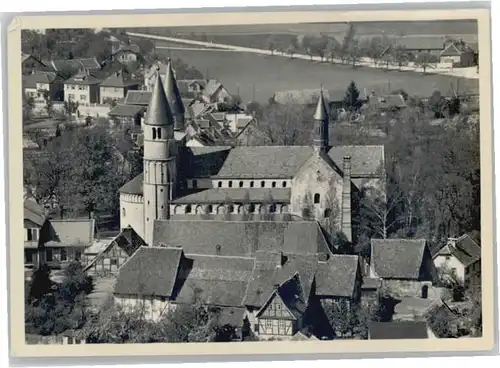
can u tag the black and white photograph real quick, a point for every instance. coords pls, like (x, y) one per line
(252, 183)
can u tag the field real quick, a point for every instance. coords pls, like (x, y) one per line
(258, 77)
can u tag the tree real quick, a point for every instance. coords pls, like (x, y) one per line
(400, 56)
(271, 44)
(347, 42)
(425, 61)
(28, 106)
(351, 97)
(40, 283)
(354, 52)
(332, 49)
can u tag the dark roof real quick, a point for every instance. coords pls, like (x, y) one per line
(337, 276)
(138, 98)
(172, 92)
(149, 271)
(159, 112)
(126, 110)
(366, 161)
(212, 86)
(83, 78)
(34, 212)
(429, 43)
(241, 238)
(39, 76)
(134, 186)
(119, 78)
(397, 258)
(235, 195)
(71, 232)
(388, 101)
(232, 316)
(398, 330)
(272, 268)
(321, 112)
(75, 64)
(464, 248)
(370, 283)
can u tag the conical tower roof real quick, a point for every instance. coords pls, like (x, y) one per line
(172, 91)
(321, 113)
(159, 112)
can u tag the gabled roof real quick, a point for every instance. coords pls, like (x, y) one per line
(120, 78)
(71, 232)
(83, 78)
(397, 258)
(241, 238)
(128, 48)
(398, 330)
(75, 64)
(456, 49)
(141, 98)
(149, 271)
(134, 186)
(212, 86)
(126, 110)
(39, 76)
(300, 336)
(388, 101)
(464, 248)
(337, 276)
(234, 195)
(34, 212)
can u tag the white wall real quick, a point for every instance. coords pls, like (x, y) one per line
(133, 214)
(154, 308)
(257, 183)
(452, 263)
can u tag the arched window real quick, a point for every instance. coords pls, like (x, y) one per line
(123, 212)
(316, 198)
(217, 249)
(272, 208)
(209, 208)
(262, 184)
(195, 183)
(219, 184)
(284, 184)
(230, 208)
(251, 208)
(154, 133)
(159, 133)
(251, 184)
(230, 184)
(188, 208)
(425, 291)
(241, 184)
(274, 184)
(328, 213)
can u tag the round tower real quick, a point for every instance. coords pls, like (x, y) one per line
(321, 121)
(174, 98)
(160, 170)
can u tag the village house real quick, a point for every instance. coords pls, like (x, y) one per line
(417, 44)
(43, 86)
(127, 54)
(82, 88)
(70, 67)
(462, 257)
(404, 266)
(399, 330)
(457, 55)
(127, 114)
(29, 64)
(116, 86)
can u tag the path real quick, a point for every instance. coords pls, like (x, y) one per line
(103, 290)
(365, 62)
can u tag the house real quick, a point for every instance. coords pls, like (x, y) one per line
(310, 97)
(404, 266)
(82, 88)
(457, 54)
(69, 67)
(115, 254)
(392, 102)
(35, 218)
(399, 330)
(191, 88)
(461, 256)
(417, 43)
(43, 86)
(29, 64)
(116, 86)
(215, 92)
(127, 114)
(127, 54)
(140, 98)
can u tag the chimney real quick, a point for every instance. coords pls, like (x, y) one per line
(346, 199)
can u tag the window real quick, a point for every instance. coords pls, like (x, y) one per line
(29, 257)
(217, 249)
(154, 133)
(32, 234)
(251, 184)
(328, 213)
(241, 184)
(114, 262)
(230, 184)
(70, 341)
(447, 258)
(269, 323)
(230, 209)
(219, 184)
(262, 184)
(48, 253)
(251, 208)
(274, 184)
(316, 198)
(188, 208)
(209, 208)
(64, 255)
(159, 132)
(78, 255)
(284, 184)
(272, 208)
(195, 183)
(123, 212)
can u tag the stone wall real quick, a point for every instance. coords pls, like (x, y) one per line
(406, 288)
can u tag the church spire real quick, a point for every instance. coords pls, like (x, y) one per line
(174, 97)
(321, 121)
(159, 112)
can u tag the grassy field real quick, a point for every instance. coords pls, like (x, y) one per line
(265, 74)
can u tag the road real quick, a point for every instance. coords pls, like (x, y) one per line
(365, 62)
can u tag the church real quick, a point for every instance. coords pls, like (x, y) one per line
(246, 230)
(216, 183)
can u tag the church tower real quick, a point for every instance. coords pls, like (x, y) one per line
(160, 169)
(174, 98)
(321, 121)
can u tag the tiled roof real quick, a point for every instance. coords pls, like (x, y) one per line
(83, 78)
(267, 273)
(397, 258)
(464, 248)
(365, 160)
(231, 316)
(138, 98)
(388, 101)
(212, 86)
(172, 92)
(241, 238)
(398, 330)
(38, 76)
(134, 186)
(119, 79)
(71, 232)
(456, 49)
(337, 276)
(430, 43)
(75, 64)
(34, 212)
(235, 195)
(126, 110)
(149, 271)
